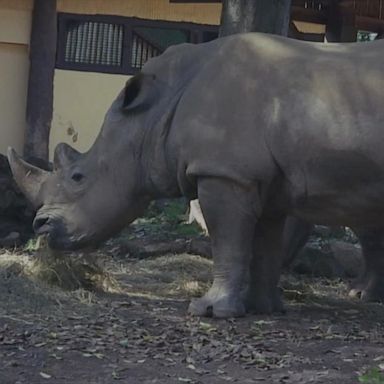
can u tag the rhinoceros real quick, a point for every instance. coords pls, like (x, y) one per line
(257, 127)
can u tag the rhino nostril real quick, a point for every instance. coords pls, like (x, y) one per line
(40, 222)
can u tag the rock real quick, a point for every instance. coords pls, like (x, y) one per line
(336, 258)
(201, 247)
(135, 248)
(319, 262)
(349, 256)
(12, 240)
(329, 232)
(16, 214)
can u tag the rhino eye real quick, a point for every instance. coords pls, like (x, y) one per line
(77, 176)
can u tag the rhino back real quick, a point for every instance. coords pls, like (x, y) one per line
(329, 133)
(253, 107)
(218, 127)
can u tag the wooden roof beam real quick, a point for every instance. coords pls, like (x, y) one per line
(369, 24)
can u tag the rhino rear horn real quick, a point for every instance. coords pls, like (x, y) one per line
(64, 156)
(28, 177)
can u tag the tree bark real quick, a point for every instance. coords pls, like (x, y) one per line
(41, 73)
(341, 24)
(268, 16)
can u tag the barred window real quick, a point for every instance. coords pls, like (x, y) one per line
(94, 43)
(148, 42)
(118, 44)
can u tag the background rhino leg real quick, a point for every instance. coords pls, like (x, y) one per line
(231, 214)
(370, 285)
(295, 236)
(263, 294)
(195, 214)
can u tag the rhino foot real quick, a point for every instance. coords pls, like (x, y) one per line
(267, 303)
(223, 306)
(370, 291)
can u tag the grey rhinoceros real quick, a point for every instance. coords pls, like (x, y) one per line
(257, 127)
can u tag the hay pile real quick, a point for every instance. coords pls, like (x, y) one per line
(65, 270)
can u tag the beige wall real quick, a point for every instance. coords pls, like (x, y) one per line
(15, 25)
(13, 94)
(81, 100)
(309, 27)
(146, 9)
(21, 5)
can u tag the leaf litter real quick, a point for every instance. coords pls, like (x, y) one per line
(140, 331)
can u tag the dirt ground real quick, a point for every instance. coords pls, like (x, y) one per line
(137, 330)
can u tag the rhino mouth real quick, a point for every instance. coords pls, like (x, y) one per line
(60, 240)
(56, 234)
(66, 243)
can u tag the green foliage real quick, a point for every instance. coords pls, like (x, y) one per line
(365, 36)
(34, 244)
(372, 376)
(169, 217)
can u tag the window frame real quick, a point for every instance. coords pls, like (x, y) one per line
(196, 33)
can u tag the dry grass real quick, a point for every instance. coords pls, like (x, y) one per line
(67, 271)
(180, 275)
(84, 275)
(71, 271)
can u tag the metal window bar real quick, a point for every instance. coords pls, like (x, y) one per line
(94, 43)
(123, 47)
(142, 51)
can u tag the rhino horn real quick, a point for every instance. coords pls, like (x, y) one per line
(28, 177)
(64, 156)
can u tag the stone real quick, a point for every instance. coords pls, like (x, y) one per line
(11, 240)
(349, 257)
(335, 258)
(16, 214)
(329, 232)
(318, 262)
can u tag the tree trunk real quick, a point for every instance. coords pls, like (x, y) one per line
(341, 24)
(41, 73)
(269, 16)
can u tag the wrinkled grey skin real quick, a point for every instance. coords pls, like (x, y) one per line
(257, 127)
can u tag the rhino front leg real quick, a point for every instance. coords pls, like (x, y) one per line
(263, 295)
(231, 214)
(370, 285)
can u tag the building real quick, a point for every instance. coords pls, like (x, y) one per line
(102, 42)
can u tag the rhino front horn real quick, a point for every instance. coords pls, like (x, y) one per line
(28, 178)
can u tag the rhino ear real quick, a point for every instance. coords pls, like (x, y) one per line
(139, 92)
(28, 178)
(64, 156)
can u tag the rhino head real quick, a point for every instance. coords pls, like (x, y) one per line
(89, 196)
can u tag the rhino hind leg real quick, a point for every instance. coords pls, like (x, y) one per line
(369, 286)
(231, 215)
(295, 235)
(264, 295)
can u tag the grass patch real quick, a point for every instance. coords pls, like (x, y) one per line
(170, 217)
(372, 376)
